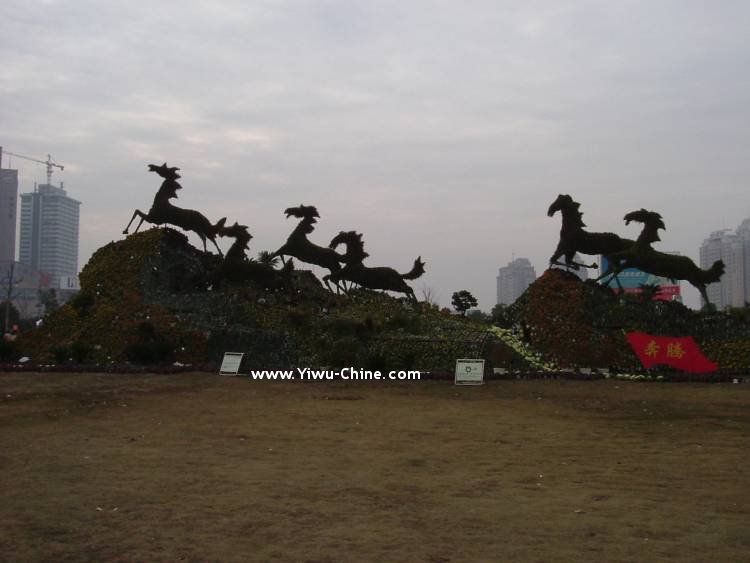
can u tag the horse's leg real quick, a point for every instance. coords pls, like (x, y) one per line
(143, 218)
(216, 245)
(611, 271)
(702, 288)
(135, 214)
(571, 264)
(553, 259)
(411, 295)
(203, 240)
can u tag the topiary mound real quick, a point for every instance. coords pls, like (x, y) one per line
(574, 323)
(153, 298)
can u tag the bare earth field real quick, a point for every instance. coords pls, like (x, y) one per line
(197, 467)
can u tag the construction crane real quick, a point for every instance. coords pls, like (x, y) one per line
(49, 163)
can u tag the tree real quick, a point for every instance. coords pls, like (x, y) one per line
(501, 316)
(649, 291)
(463, 301)
(478, 315)
(10, 284)
(9, 314)
(48, 298)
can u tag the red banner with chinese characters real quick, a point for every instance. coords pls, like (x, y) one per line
(679, 352)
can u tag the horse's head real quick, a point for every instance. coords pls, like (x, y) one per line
(308, 212)
(344, 237)
(563, 202)
(652, 222)
(236, 231)
(166, 172)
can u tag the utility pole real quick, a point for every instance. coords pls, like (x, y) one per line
(11, 283)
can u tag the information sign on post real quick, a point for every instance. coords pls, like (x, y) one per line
(469, 372)
(231, 363)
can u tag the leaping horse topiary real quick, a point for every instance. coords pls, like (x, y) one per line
(371, 278)
(162, 211)
(300, 247)
(238, 268)
(642, 256)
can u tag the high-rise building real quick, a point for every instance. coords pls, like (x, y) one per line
(49, 232)
(513, 279)
(8, 213)
(733, 290)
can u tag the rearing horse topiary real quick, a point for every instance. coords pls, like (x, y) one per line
(162, 211)
(573, 237)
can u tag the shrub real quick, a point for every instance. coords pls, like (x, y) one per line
(61, 354)
(82, 302)
(8, 351)
(376, 361)
(81, 352)
(344, 352)
(151, 347)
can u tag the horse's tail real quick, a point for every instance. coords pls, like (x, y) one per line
(416, 271)
(713, 274)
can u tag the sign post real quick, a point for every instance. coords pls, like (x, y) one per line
(230, 365)
(469, 372)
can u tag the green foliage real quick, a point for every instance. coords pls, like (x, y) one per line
(740, 314)
(60, 354)
(479, 316)
(403, 321)
(463, 301)
(129, 308)
(150, 348)
(48, 298)
(344, 352)
(708, 308)
(266, 258)
(649, 291)
(80, 352)
(8, 351)
(376, 360)
(299, 317)
(77, 352)
(14, 316)
(501, 316)
(340, 327)
(82, 302)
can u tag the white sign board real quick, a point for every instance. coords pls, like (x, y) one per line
(469, 372)
(231, 363)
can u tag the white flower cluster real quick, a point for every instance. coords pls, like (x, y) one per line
(534, 358)
(635, 377)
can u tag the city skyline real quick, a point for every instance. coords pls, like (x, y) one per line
(733, 248)
(434, 130)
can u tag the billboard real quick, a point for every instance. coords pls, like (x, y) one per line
(631, 280)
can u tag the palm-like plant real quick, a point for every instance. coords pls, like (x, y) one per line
(267, 258)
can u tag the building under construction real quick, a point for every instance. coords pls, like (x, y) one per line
(48, 241)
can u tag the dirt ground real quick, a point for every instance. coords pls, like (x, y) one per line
(197, 467)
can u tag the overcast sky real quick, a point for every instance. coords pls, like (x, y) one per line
(441, 129)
